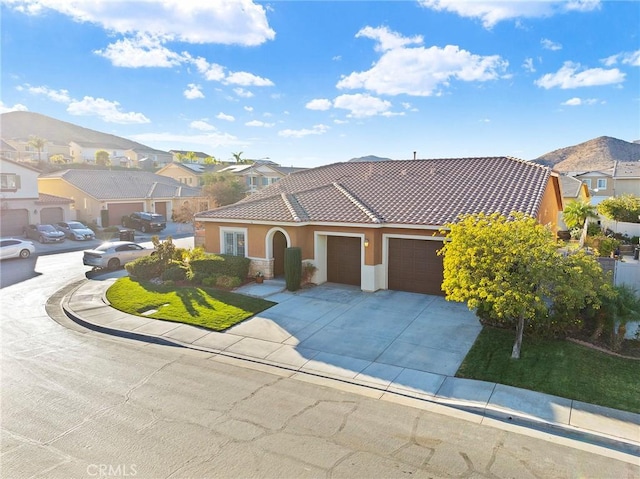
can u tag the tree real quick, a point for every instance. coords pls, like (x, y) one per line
(57, 159)
(237, 156)
(37, 143)
(223, 188)
(508, 269)
(102, 158)
(621, 208)
(210, 160)
(191, 157)
(576, 214)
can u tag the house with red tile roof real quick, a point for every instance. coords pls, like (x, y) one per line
(377, 225)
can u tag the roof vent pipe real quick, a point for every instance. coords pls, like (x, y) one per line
(414, 154)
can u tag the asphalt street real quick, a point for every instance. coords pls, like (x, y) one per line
(76, 403)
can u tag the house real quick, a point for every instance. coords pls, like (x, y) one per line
(105, 196)
(85, 152)
(572, 190)
(200, 157)
(148, 158)
(190, 174)
(626, 178)
(20, 149)
(376, 225)
(599, 183)
(259, 174)
(20, 202)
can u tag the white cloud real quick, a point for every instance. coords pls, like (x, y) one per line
(569, 76)
(236, 21)
(104, 109)
(491, 12)
(202, 125)
(210, 71)
(528, 65)
(387, 39)
(248, 108)
(420, 71)
(59, 96)
(259, 123)
(340, 122)
(626, 58)
(316, 130)
(241, 92)
(362, 105)
(579, 101)
(319, 104)
(193, 91)
(225, 117)
(140, 51)
(550, 45)
(17, 107)
(246, 79)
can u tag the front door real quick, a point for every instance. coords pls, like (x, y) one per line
(279, 245)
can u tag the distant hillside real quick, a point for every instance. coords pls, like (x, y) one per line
(597, 154)
(370, 158)
(23, 124)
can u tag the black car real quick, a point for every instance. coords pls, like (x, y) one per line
(145, 221)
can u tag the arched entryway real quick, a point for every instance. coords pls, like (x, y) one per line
(279, 244)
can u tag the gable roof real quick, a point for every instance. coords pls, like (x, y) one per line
(627, 170)
(124, 184)
(407, 192)
(570, 186)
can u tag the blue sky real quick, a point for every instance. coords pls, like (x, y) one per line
(312, 83)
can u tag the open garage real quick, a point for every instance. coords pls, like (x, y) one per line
(415, 266)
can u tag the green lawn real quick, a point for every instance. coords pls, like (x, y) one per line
(555, 367)
(206, 307)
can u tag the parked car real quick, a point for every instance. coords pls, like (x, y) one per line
(15, 248)
(44, 233)
(76, 230)
(145, 221)
(113, 254)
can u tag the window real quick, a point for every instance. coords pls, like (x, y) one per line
(587, 182)
(265, 181)
(234, 243)
(9, 182)
(602, 183)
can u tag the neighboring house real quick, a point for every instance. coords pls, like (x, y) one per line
(148, 158)
(599, 184)
(21, 204)
(626, 178)
(259, 175)
(199, 156)
(572, 190)
(105, 196)
(85, 152)
(376, 225)
(19, 149)
(190, 174)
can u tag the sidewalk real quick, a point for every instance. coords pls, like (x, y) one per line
(613, 429)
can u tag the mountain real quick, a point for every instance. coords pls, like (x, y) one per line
(23, 124)
(597, 154)
(370, 158)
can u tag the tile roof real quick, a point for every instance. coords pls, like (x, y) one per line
(406, 192)
(124, 184)
(47, 199)
(627, 169)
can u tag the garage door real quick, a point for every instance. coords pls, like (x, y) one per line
(51, 215)
(13, 222)
(414, 266)
(343, 260)
(118, 210)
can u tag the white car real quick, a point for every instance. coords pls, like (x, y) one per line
(113, 254)
(75, 230)
(15, 248)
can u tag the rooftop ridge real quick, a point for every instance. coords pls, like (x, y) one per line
(372, 216)
(289, 206)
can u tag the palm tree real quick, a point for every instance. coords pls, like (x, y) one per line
(237, 157)
(37, 143)
(576, 214)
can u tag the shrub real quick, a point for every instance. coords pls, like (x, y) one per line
(308, 270)
(175, 272)
(293, 267)
(228, 282)
(594, 229)
(196, 278)
(209, 281)
(221, 265)
(145, 268)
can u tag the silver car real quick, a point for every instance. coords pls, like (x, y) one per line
(76, 230)
(44, 233)
(113, 254)
(15, 248)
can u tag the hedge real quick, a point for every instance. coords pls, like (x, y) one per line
(221, 265)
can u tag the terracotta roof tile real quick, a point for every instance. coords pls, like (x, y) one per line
(409, 192)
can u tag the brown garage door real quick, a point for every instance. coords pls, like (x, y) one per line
(414, 266)
(118, 210)
(13, 222)
(51, 215)
(343, 260)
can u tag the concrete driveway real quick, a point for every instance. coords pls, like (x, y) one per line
(383, 337)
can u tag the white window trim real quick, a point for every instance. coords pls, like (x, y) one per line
(603, 180)
(235, 230)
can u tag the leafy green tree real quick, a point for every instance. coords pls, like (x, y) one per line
(210, 160)
(223, 188)
(102, 158)
(621, 208)
(576, 213)
(57, 159)
(191, 157)
(509, 269)
(238, 157)
(37, 143)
